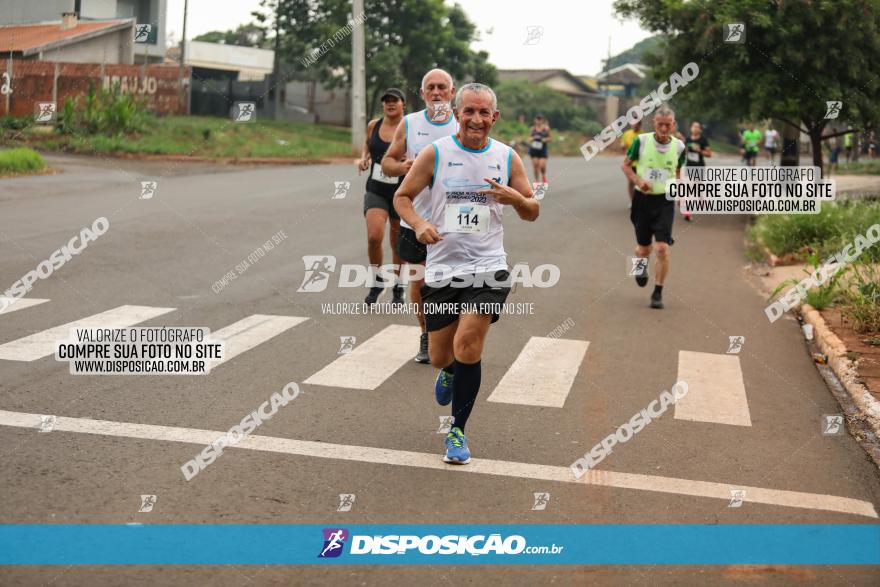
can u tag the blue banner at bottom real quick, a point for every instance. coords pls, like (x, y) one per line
(238, 544)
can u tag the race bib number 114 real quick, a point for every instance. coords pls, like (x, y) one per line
(472, 218)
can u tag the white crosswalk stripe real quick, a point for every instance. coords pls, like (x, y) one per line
(252, 331)
(372, 362)
(18, 304)
(542, 374)
(42, 344)
(385, 457)
(716, 392)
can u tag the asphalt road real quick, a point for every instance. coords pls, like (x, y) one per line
(168, 251)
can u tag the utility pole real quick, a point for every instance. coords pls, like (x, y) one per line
(183, 100)
(276, 104)
(358, 82)
(608, 60)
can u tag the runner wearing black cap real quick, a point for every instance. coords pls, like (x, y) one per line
(539, 135)
(378, 208)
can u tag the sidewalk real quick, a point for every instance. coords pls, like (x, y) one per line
(855, 362)
(857, 184)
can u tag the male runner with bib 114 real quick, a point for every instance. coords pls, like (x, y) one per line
(417, 131)
(470, 178)
(653, 158)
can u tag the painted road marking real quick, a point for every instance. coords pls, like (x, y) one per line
(18, 304)
(716, 392)
(42, 344)
(245, 334)
(372, 362)
(542, 374)
(384, 456)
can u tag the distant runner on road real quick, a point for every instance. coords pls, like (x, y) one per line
(697, 149)
(656, 157)
(626, 140)
(771, 142)
(834, 152)
(848, 145)
(749, 147)
(417, 131)
(539, 136)
(471, 178)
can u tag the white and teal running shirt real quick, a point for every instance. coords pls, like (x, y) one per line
(421, 132)
(470, 222)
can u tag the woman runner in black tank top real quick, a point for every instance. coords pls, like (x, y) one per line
(378, 207)
(377, 182)
(539, 134)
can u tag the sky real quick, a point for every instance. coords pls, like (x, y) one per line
(569, 34)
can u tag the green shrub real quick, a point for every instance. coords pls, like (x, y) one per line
(824, 233)
(864, 167)
(102, 112)
(864, 314)
(21, 160)
(522, 98)
(589, 128)
(13, 123)
(821, 297)
(862, 297)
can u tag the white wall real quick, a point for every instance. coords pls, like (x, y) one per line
(110, 48)
(98, 9)
(27, 11)
(147, 11)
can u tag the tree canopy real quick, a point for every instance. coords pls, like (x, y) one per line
(797, 55)
(403, 40)
(520, 98)
(635, 54)
(246, 35)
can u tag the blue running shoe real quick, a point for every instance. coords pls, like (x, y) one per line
(443, 388)
(457, 451)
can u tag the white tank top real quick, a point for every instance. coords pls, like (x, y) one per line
(470, 223)
(421, 132)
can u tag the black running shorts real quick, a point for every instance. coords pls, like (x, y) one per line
(372, 200)
(652, 216)
(409, 248)
(539, 153)
(443, 305)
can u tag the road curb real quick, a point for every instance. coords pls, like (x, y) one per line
(217, 160)
(843, 367)
(783, 261)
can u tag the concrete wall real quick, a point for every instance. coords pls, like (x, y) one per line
(561, 84)
(98, 9)
(115, 47)
(252, 64)
(27, 11)
(147, 11)
(308, 101)
(41, 81)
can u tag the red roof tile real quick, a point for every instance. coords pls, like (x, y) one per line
(26, 38)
